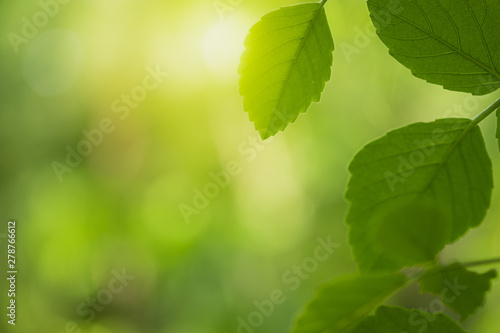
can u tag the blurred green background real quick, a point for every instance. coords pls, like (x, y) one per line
(120, 208)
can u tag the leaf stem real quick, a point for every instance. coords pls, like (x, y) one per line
(323, 3)
(482, 262)
(416, 276)
(489, 110)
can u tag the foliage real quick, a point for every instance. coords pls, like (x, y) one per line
(463, 290)
(341, 304)
(392, 319)
(290, 51)
(450, 43)
(412, 191)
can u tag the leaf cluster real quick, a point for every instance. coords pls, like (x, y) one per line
(412, 191)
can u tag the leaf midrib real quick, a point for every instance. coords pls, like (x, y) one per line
(453, 145)
(448, 153)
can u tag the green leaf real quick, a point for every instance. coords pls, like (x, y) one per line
(416, 189)
(287, 61)
(399, 320)
(462, 290)
(341, 304)
(451, 43)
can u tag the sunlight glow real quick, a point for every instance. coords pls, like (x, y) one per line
(222, 46)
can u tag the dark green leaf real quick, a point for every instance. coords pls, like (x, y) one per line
(340, 305)
(462, 290)
(400, 320)
(416, 189)
(285, 66)
(452, 43)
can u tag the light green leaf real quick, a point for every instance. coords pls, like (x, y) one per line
(340, 305)
(285, 66)
(399, 320)
(462, 290)
(416, 189)
(453, 43)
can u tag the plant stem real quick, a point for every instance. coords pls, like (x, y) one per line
(489, 110)
(414, 277)
(323, 3)
(482, 262)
